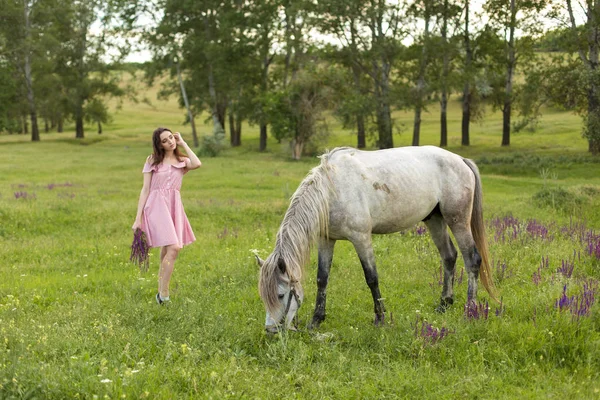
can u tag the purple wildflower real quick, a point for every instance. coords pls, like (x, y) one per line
(566, 269)
(537, 230)
(475, 310)
(420, 230)
(593, 245)
(579, 305)
(24, 195)
(507, 228)
(501, 309)
(140, 250)
(502, 270)
(429, 333)
(564, 302)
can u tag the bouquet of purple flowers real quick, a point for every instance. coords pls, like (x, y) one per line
(140, 250)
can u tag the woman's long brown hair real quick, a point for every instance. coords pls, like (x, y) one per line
(159, 152)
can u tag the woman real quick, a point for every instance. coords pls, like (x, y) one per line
(160, 211)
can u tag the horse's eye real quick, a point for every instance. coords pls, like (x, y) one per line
(280, 296)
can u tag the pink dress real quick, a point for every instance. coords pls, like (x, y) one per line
(164, 220)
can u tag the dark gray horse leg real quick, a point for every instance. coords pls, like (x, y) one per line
(439, 233)
(367, 260)
(325, 257)
(466, 244)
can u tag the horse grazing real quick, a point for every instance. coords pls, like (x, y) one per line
(353, 194)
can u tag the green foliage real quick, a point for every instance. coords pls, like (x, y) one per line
(212, 145)
(559, 199)
(296, 112)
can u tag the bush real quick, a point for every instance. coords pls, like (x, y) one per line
(212, 145)
(558, 199)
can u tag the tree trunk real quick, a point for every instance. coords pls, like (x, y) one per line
(263, 137)
(360, 126)
(238, 131)
(421, 81)
(297, 148)
(381, 74)
(443, 123)
(466, 102)
(60, 126)
(35, 133)
(79, 126)
(217, 123)
(417, 126)
(46, 125)
(99, 128)
(264, 85)
(506, 110)
(445, 69)
(386, 140)
(361, 142)
(235, 127)
(187, 106)
(466, 116)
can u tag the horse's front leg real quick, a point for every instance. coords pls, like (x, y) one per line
(364, 249)
(325, 257)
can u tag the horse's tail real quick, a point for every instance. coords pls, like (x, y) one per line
(478, 231)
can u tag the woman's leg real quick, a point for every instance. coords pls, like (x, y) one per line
(168, 255)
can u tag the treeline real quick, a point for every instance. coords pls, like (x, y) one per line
(280, 64)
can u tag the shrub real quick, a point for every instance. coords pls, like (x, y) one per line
(212, 145)
(558, 199)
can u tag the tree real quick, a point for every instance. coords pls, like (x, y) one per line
(263, 23)
(466, 100)
(447, 50)
(424, 10)
(81, 62)
(588, 50)
(295, 112)
(212, 41)
(343, 19)
(20, 32)
(508, 17)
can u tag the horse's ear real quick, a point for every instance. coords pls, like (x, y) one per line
(281, 265)
(259, 260)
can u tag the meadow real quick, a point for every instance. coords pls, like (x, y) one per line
(78, 320)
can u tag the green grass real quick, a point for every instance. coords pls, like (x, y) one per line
(77, 320)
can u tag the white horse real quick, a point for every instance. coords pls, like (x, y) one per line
(353, 194)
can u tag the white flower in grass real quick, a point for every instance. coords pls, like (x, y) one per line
(106, 381)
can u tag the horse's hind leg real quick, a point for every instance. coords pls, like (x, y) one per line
(364, 249)
(439, 233)
(466, 244)
(325, 258)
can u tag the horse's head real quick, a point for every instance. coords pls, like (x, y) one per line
(281, 293)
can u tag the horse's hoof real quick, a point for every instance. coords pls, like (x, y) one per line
(441, 309)
(444, 305)
(272, 329)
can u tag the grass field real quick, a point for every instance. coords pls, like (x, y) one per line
(77, 320)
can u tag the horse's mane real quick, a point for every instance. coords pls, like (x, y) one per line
(306, 218)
